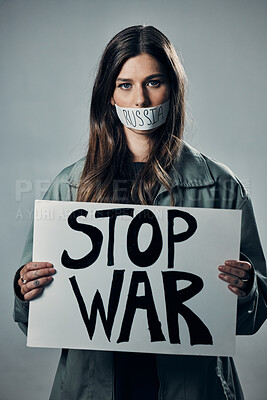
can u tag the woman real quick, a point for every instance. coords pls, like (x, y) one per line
(136, 155)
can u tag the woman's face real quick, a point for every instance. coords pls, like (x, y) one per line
(142, 82)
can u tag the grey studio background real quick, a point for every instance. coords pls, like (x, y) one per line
(49, 52)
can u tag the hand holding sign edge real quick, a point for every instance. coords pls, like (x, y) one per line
(34, 276)
(239, 274)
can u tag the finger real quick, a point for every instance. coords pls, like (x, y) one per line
(33, 285)
(233, 280)
(33, 294)
(237, 291)
(243, 265)
(37, 265)
(237, 272)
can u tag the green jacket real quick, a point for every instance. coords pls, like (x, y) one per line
(197, 181)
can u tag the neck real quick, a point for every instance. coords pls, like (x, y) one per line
(139, 144)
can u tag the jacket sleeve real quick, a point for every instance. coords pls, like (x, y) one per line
(21, 307)
(252, 309)
(60, 189)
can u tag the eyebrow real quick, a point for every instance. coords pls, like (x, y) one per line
(147, 78)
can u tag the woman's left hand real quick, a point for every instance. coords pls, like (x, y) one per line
(238, 274)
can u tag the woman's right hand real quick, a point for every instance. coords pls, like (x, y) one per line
(34, 276)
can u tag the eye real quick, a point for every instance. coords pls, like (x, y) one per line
(154, 83)
(125, 85)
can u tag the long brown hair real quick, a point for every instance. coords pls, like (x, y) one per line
(108, 154)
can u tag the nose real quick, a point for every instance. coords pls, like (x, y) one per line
(141, 97)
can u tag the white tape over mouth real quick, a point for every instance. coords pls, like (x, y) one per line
(143, 119)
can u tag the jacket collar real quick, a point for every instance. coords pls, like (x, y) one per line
(76, 173)
(190, 169)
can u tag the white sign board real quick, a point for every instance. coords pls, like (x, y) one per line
(135, 278)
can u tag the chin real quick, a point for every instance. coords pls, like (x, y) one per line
(147, 132)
